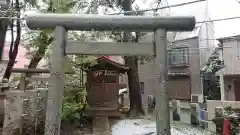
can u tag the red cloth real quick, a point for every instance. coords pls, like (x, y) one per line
(226, 127)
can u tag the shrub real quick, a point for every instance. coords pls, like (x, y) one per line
(227, 114)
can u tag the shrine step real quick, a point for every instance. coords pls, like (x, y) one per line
(90, 108)
(124, 109)
(101, 111)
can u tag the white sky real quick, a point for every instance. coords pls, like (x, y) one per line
(223, 9)
(217, 9)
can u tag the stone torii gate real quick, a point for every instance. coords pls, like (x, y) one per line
(64, 22)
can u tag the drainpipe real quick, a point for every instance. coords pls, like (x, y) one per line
(238, 50)
(221, 47)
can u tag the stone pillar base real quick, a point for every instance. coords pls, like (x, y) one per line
(101, 125)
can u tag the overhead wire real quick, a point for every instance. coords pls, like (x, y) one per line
(158, 8)
(124, 12)
(152, 9)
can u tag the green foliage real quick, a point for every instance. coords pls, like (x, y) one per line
(219, 120)
(213, 65)
(70, 111)
(211, 82)
(73, 103)
(75, 92)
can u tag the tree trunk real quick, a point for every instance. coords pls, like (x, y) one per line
(14, 51)
(134, 87)
(133, 78)
(3, 31)
(37, 57)
(41, 49)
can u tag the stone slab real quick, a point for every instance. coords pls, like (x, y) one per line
(101, 125)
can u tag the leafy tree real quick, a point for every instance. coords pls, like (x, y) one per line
(75, 93)
(40, 41)
(132, 63)
(211, 83)
(39, 48)
(13, 51)
(213, 65)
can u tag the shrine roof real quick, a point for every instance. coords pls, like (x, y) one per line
(113, 63)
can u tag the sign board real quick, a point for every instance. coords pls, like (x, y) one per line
(104, 72)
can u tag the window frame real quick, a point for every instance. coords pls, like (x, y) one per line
(182, 50)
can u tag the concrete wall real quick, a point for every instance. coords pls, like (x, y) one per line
(231, 56)
(229, 94)
(146, 75)
(226, 93)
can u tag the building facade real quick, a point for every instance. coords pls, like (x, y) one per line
(187, 53)
(230, 74)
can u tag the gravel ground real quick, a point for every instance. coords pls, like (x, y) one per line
(148, 127)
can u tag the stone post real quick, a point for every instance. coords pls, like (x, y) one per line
(41, 110)
(13, 112)
(176, 110)
(194, 113)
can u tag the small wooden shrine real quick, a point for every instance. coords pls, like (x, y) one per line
(103, 84)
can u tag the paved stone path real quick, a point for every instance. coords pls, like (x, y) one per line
(147, 127)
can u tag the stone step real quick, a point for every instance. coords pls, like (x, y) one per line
(101, 125)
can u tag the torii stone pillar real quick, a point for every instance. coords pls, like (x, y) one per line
(63, 22)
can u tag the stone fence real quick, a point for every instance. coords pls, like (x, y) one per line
(200, 114)
(24, 112)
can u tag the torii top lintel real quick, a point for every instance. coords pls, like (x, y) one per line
(109, 22)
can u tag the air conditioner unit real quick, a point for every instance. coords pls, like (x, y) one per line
(196, 98)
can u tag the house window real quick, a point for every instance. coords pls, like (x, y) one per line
(178, 56)
(142, 87)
